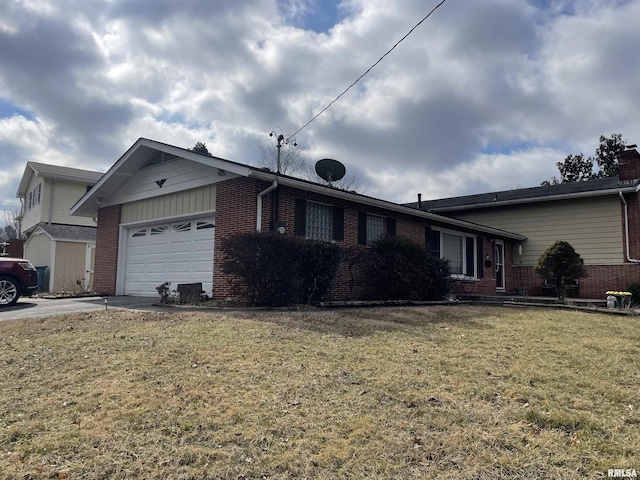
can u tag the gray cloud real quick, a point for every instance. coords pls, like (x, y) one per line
(484, 95)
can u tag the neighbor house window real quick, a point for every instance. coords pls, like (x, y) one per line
(459, 248)
(319, 221)
(36, 195)
(30, 201)
(373, 227)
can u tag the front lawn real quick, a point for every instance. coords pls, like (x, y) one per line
(435, 392)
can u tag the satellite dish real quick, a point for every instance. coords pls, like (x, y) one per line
(330, 170)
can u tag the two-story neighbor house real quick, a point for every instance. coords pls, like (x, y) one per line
(600, 218)
(164, 214)
(62, 245)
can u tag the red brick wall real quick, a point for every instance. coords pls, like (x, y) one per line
(633, 212)
(599, 279)
(236, 210)
(629, 165)
(15, 248)
(107, 250)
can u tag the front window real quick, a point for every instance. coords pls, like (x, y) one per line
(319, 221)
(453, 250)
(376, 228)
(460, 250)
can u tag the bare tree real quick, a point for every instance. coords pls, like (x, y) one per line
(294, 164)
(9, 225)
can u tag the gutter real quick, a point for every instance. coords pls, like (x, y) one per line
(626, 228)
(374, 202)
(260, 195)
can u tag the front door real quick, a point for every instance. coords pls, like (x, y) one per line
(499, 264)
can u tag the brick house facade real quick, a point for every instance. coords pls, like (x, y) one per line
(236, 212)
(156, 191)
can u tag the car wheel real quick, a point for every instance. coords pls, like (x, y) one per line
(9, 292)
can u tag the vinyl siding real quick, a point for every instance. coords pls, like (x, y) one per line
(196, 200)
(37, 249)
(179, 175)
(66, 194)
(69, 266)
(32, 217)
(593, 226)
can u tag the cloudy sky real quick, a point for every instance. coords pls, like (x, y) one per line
(484, 95)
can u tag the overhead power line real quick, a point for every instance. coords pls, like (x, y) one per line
(369, 69)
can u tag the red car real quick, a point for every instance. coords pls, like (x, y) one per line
(17, 278)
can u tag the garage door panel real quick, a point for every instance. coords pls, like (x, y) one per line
(156, 268)
(179, 267)
(201, 268)
(173, 255)
(134, 270)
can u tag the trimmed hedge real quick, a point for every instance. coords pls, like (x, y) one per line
(396, 268)
(275, 270)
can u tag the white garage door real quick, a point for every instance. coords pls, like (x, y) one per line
(177, 252)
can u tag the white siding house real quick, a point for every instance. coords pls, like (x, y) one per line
(60, 246)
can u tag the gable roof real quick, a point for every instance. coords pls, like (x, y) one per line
(562, 191)
(69, 232)
(145, 152)
(45, 170)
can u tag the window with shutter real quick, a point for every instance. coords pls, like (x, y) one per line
(459, 248)
(318, 221)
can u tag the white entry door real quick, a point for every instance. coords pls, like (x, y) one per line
(499, 264)
(176, 252)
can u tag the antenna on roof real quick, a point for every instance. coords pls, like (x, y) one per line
(280, 138)
(330, 170)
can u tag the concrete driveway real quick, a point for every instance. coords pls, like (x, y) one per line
(44, 307)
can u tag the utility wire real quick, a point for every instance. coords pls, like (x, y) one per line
(369, 69)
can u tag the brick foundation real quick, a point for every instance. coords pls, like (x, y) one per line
(599, 279)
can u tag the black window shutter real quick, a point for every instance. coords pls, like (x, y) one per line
(432, 241)
(338, 223)
(391, 226)
(480, 258)
(471, 261)
(301, 217)
(362, 228)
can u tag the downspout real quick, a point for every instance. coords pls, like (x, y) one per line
(626, 228)
(260, 195)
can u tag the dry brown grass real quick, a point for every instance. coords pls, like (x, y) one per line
(442, 392)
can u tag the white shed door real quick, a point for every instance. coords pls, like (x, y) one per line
(176, 252)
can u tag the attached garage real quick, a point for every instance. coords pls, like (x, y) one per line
(176, 252)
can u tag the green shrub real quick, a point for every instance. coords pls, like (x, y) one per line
(561, 264)
(634, 289)
(275, 270)
(396, 268)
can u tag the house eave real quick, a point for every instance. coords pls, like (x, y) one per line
(394, 207)
(549, 198)
(130, 162)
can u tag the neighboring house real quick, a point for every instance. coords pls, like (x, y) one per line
(165, 212)
(61, 246)
(599, 218)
